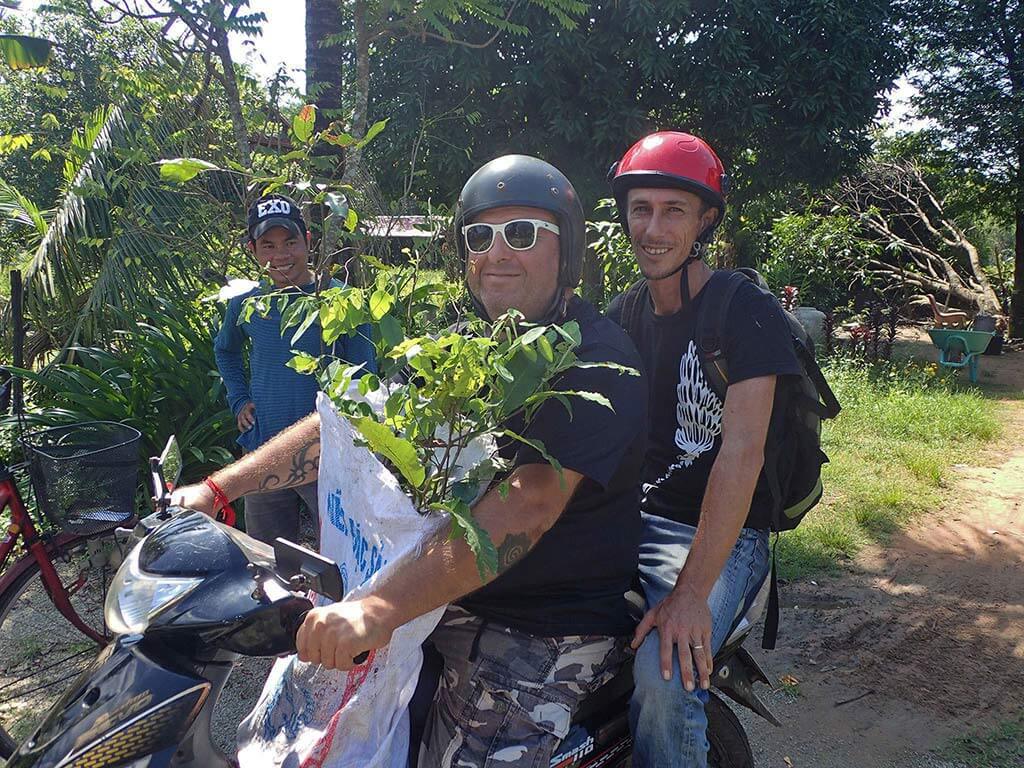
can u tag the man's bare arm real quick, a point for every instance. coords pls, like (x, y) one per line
(444, 571)
(731, 484)
(447, 568)
(290, 459)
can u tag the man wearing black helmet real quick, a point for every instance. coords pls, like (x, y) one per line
(705, 505)
(521, 650)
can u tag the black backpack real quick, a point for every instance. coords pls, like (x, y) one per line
(793, 457)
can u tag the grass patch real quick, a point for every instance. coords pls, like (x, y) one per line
(901, 428)
(1001, 748)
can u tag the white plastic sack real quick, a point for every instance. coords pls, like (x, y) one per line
(311, 716)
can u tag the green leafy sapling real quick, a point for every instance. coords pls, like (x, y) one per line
(445, 393)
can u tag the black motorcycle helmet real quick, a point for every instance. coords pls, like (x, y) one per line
(526, 181)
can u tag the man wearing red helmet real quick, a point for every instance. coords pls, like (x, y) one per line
(705, 506)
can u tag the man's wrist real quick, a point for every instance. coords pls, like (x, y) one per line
(381, 613)
(690, 588)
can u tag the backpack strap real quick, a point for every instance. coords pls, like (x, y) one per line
(633, 301)
(770, 633)
(828, 407)
(710, 326)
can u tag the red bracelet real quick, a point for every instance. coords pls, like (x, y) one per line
(221, 503)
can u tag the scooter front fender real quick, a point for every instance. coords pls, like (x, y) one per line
(125, 708)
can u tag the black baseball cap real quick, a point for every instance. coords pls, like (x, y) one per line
(275, 211)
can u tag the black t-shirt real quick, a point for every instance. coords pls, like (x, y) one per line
(573, 581)
(686, 415)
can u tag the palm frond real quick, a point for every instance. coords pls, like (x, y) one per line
(14, 206)
(120, 234)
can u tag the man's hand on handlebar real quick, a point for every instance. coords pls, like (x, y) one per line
(198, 497)
(337, 635)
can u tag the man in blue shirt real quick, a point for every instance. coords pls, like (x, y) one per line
(270, 396)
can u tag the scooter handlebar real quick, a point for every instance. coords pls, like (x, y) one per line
(301, 617)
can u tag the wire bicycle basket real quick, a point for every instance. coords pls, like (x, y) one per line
(84, 475)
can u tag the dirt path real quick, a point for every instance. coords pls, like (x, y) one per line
(917, 642)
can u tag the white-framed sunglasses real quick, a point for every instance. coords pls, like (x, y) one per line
(519, 234)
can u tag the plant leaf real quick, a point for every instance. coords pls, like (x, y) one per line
(391, 332)
(532, 335)
(380, 303)
(184, 169)
(372, 133)
(478, 539)
(302, 123)
(303, 362)
(24, 52)
(398, 451)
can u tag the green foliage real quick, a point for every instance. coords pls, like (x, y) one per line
(822, 254)
(159, 376)
(91, 65)
(786, 91)
(120, 235)
(183, 169)
(968, 75)
(965, 75)
(445, 395)
(902, 426)
(24, 52)
(613, 257)
(18, 209)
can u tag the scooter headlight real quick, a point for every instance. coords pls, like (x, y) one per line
(136, 597)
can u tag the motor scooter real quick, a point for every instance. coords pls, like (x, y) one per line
(194, 595)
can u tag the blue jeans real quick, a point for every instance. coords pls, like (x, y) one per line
(276, 513)
(668, 724)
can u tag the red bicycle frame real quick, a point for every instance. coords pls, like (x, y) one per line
(43, 551)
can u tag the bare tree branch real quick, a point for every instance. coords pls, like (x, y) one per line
(898, 208)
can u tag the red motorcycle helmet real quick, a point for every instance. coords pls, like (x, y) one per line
(671, 160)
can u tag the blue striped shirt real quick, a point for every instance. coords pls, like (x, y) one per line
(282, 396)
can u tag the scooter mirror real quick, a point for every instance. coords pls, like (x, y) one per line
(308, 570)
(167, 465)
(170, 462)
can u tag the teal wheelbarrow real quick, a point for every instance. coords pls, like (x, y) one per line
(960, 348)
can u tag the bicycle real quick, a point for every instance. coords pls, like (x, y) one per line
(54, 571)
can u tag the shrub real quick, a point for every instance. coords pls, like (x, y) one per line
(160, 377)
(823, 256)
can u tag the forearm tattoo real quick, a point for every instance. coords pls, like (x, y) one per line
(512, 550)
(305, 464)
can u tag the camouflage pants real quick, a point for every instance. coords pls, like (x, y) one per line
(507, 698)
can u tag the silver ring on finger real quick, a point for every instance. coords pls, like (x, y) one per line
(698, 647)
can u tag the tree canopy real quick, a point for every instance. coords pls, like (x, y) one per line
(785, 90)
(969, 68)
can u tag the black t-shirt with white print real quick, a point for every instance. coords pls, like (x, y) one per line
(685, 427)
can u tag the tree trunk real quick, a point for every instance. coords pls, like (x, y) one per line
(362, 87)
(234, 99)
(324, 64)
(1017, 298)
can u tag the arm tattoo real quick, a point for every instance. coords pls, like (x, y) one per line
(304, 465)
(512, 550)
